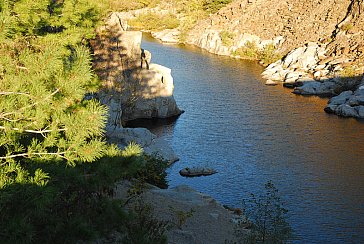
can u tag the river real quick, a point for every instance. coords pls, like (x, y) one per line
(251, 133)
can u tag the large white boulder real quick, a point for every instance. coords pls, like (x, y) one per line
(152, 94)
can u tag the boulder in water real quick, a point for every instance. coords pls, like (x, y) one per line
(196, 171)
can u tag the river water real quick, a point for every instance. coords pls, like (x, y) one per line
(251, 133)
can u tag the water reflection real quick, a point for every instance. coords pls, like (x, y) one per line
(252, 133)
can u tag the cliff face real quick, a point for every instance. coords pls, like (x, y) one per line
(133, 88)
(298, 22)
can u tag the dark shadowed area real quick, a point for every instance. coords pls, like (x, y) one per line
(251, 133)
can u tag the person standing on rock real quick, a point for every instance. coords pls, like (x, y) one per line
(145, 58)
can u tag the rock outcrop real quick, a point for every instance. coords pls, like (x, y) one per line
(132, 87)
(348, 103)
(208, 221)
(321, 42)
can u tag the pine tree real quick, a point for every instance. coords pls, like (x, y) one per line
(45, 72)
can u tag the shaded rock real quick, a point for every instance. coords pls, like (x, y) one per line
(290, 85)
(147, 140)
(210, 222)
(346, 111)
(152, 95)
(341, 99)
(160, 147)
(330, 108)
(316, 88)
(196, 171)
(360, 110)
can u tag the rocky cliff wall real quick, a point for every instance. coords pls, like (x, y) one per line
(132, 87)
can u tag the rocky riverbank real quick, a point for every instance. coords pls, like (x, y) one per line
(134, 88)
(193, 216)
(321, 43)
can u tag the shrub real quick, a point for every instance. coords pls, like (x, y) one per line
(248, 51)
(267, 218)
(117, 5)
(347, 27)
(269, 54)
(143, 227)
(212, 6)
(152, 21)
(227, 38)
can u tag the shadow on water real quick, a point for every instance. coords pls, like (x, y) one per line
(251, 133)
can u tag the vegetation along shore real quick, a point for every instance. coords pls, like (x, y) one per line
(73, 73)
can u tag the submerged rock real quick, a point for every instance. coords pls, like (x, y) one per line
(196, 171)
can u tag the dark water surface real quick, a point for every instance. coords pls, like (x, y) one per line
(252, 133)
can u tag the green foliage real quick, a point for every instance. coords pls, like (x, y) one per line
(269, 54)
(149, 169)
(250, 50)
(268, 218)
(152, 21)
(78, 199)
(181, 216)
(212, 6)
(347, 27)
(142, 227)
(227, 38)
(348, 72)
(56, 172)
(45, 72)
(133, 149)
(116, 5)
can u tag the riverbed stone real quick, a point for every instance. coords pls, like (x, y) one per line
(292, 77)
(330, 108)
(271, 83)
(341, 98)
(361, 111)
(196, 171)
(346, 111)
(316, 88)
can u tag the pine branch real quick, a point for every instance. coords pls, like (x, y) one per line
(33, 131)
(14, 93)
(30, 105)
(58, 154)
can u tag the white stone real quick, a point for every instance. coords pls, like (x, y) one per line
(270, 83)
(167, 36)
